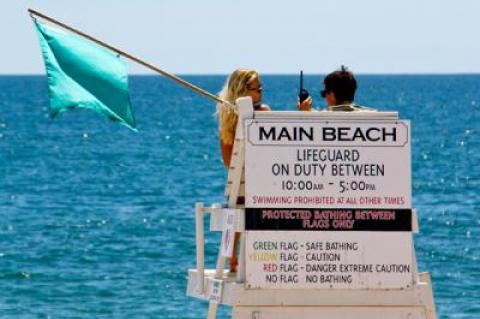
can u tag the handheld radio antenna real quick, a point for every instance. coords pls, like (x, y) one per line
(303, 95)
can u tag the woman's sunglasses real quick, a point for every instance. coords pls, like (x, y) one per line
(259, 89)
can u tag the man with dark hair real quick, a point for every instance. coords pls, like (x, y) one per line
(338, 91)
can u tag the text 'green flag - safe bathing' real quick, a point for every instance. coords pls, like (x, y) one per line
(84, 74)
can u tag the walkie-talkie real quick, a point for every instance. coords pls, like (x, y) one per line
(303, 95)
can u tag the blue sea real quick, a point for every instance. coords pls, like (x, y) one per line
(97, 221)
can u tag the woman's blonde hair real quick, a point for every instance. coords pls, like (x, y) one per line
(236, 86)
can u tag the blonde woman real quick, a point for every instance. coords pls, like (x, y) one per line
(242, 82)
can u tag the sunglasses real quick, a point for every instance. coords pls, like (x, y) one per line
(259, 89)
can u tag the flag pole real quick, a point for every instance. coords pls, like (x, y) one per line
(34, 13)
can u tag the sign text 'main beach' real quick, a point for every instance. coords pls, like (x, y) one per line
(372, 134)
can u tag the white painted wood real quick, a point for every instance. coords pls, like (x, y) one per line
(212, 310)
(218, 221)
(326, 114)
(199, 235)
(235, 173)
(416, 277)
(213, 306)
(415, 225)
(241, 272)
(235, 294)
(241, 191)
(228, 234)
(214, 291)
(237, 188)
(245, 109)
(329, 313)
(220, 265)
(427, 298)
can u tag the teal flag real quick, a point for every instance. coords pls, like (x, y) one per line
(84, 74)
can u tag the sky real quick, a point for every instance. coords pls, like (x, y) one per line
(274, 37)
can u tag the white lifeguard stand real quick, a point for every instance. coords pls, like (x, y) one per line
(371, 295)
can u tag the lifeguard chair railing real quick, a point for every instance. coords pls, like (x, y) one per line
(322, 203)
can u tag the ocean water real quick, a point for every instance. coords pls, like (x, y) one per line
(97, 221)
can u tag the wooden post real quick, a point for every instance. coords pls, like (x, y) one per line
(245, 107)
(199, 234)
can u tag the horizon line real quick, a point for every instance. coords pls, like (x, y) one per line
(270, 74)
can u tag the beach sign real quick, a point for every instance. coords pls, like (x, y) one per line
(328, 204)
(330, 164)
